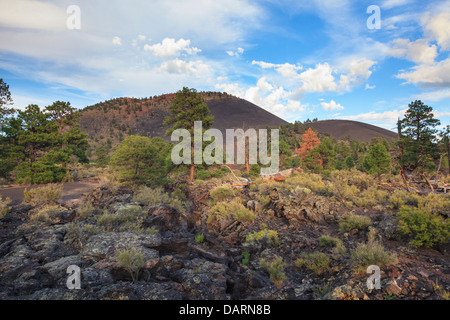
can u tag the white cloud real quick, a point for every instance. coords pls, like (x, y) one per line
(435, 75)
(418, 51)
(28, 14)
(319, 79)
(386, 116)
(184, 67)
(236, 53)
(287, 70)
(434, 95)
(116, 41)
(369, 87)
(437, 27)
(170, 48)
(332, 105)
(389, 4)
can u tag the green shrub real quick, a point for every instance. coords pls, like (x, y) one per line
(202, 174)
(342, 191)
(151, 197)
(46, 213)
(317, 262)
(132, 260)
(221, 193)
(4, 206)
(46, 195)
(330, 242)
(275, 269)
(200, 238)
(423, 227)
(436, 203)
(233, 210)
(371, 253)
(85, 210)
(262, 237)
(255, 170)
(351, 221)
(246, 258)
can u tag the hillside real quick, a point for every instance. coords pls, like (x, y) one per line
(340, 129)
(108, 122)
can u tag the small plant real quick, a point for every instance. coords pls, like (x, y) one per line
(246, 258)
(275, 269)
(45, 213)
(351, 221)
(423, 227)
(221, 193)
(444, 293)
(4, 206)
(152, 197)
(200, 238)
(40, 196)
(262, 237)
(389, 297)
(317, 262)
(371, 253)
(85, 210)
(233, 210)
(330, 242)
(132, 260)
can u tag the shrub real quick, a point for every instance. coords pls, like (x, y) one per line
(317, 262)
(151, 197)
(132, 260)
(233, 210)
(46, 195)
(423, 227)
(330, 242)
(46, 213)
(255, 170)
(110, 180)
(312, 182)
(199, 238)
(202, 174)
(342, 190)
(246, 258)
(351, 221)
(221, 193)
(262, 237)
(436, 203)
(371, 197)
(400, 198)
(4, 206)
(371, 253)
(275, 269)
(85, 210)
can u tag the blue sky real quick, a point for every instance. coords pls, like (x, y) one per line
(297, 59)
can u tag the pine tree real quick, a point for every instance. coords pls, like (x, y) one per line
(377, 160)
(309, 142)
(187, 107)
(418, 138)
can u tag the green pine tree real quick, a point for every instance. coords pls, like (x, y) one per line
(188, 107)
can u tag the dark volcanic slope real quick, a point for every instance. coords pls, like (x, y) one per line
(230, 113)
(339, 129)
(110, 121)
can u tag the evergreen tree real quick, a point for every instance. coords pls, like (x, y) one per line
(377, 160)
(187, 107)
(418, 138)
(142, 160)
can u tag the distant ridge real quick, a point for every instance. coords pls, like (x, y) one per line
(339, 129)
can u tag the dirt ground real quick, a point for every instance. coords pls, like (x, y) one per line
(71, 191)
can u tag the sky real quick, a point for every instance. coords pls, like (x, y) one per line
(355, 60)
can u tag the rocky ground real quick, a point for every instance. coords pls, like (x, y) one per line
(35, 255)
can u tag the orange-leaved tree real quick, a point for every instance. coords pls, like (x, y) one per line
(309, 142)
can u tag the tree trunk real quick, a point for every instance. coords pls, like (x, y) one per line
(426, 179)
(192, 174)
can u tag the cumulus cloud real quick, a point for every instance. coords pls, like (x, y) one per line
(184, 67)
(170, 48)
(418, 51)
(436, 75)
(116, 41)
(236, 53)
(437, 27)
(287, 70)
(318, 79)
(381, 117)
(332, 105)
